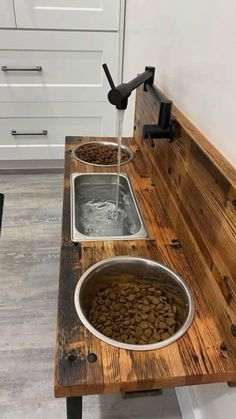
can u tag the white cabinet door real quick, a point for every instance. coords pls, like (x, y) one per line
(68, 14)
(56, 66)
(7, 19)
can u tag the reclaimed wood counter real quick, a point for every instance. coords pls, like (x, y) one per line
(207, 352)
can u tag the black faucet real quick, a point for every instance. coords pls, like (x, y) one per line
(118, 95)
(166, 126)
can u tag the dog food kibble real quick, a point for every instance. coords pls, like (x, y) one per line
(134, 312)
(100, 154)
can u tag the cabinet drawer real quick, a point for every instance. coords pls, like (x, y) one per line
(34, 137)
(59, 71)
(7, 19)
(53, 130)
(103, 110)
(68, 14)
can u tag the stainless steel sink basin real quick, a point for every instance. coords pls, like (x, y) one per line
(93, 215)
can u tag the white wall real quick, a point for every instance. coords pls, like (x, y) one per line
(193, 46)
(214, 401)
(192, 43)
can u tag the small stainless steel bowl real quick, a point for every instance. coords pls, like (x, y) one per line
(110, 144)
(121, 268)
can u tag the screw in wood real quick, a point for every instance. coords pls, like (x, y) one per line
(92, 357)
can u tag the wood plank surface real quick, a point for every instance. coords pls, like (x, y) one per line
(29, 266)
(182, 196)
(198, 193)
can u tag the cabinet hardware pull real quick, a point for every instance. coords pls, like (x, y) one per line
(44, 132)
(36, 68)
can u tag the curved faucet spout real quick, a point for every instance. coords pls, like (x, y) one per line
(118, 95)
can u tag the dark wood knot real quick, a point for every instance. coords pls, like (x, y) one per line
(69, 243)
(73, 355)
(228, 297)
(175, 244)
(195, 358)
(233, 330)
(224, 350)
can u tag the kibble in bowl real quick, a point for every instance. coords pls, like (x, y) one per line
(134, 303)
(102, 153)
(135, 312)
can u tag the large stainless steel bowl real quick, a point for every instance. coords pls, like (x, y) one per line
(107, 143)
(121, 268)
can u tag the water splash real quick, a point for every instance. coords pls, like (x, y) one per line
(98, 216)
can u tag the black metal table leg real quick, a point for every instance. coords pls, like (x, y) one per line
(74, 407)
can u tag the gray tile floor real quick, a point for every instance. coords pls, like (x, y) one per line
(29, 266)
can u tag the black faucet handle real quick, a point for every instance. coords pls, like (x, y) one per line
(108, 75)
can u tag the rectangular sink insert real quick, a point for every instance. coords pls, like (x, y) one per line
(93, 204)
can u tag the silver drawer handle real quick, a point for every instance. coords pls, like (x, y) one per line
(36, 68)
(44, 132)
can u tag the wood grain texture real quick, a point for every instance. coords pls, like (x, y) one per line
(200, 194)
(29, 267)
(172, 184)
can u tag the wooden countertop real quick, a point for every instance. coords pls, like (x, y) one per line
(205, 354)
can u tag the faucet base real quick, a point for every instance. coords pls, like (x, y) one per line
(153, 132)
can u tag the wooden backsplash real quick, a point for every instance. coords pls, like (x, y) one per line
(198, 190)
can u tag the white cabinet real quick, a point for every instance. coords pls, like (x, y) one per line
(7, 19)
(56, 66)
(68, 14)
(51, 86)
